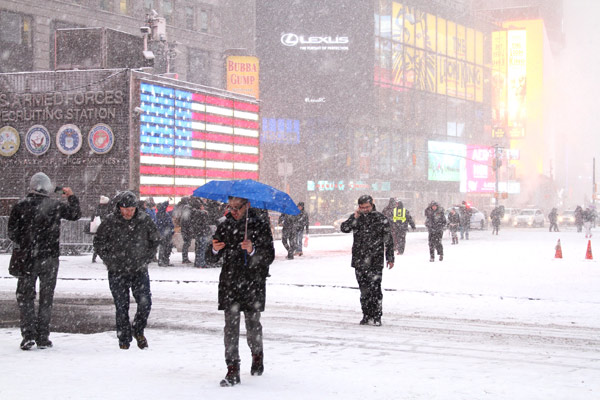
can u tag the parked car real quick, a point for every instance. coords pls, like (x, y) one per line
(530, 217)
(567, 217)
(478, 220)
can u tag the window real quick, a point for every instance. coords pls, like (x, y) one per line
(203, 21)
(189, 18)
(106, 5)
(16, 28)
(199, 66)
(167, 10)
(123, 6)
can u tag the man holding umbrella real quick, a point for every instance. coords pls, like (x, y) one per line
(245, 243)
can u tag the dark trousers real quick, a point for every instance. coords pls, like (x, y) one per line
(495, 228)
(553, 226)
(139, 283)
(371, 296)
(185, 248)
(202, 243)
(288, 238)
(232, 333)
(34, 326)
(435, 243)
(164, 251)
(399, 236)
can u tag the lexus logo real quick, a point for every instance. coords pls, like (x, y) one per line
(291, 39)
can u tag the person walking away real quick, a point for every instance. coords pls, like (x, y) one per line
(587, 222)
(465, 220)
(496, 216)
(388, 212)
(579, 218)
(202, 232)
(34, 228)
(166, 229)
(401, 219)
(301, 224)
(453, 224)
(435, 221)
(187, 229)
(288, 233)
(102, 210)
(553, 219)
(126, 241)
(245, 244)
(372, 240)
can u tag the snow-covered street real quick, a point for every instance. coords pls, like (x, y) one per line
(499, 318)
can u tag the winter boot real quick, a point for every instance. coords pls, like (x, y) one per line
(27, 344)
(364, 321)
(142, 342)
(441, 257)
(233, 374)
(432, 259)
(123, 345)
(43, 343)
(257, 367)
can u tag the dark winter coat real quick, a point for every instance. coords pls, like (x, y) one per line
(435, 220)
(243, 276)
(465, 216)
(372, 239)
(496, 216)
(102, 211)
(34, 224)
(164, 221)
(199, 222)
(553, 216)
(578, 216)
(126, 246)
(453, 221)
(301, 222)
(288, 224)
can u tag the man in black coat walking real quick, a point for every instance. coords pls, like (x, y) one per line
(126, 241)
(435, 223)
(34, 227)
(245, 243)
(372, 239)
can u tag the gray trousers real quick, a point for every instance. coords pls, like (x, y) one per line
(232, 333)
(34, 326)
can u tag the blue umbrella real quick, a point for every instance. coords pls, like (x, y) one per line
(259, 194)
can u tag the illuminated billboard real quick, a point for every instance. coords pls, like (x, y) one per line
(242, 75)
(479, 176)
(517, 83)
(188, 138)
(428, 53)
(446, 161)
(499, 59)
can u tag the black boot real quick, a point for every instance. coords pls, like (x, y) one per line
(257, 367)
(233, 374)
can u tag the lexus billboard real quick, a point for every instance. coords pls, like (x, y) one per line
(316, 57)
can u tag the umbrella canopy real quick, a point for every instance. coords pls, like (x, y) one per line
(259, 194)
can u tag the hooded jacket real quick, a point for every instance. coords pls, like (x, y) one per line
(435, 219)
(126, 245)
(243, 276)
(34, 223)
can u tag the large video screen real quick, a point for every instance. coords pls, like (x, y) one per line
(315, 56)
(446, 161)
(189, 138)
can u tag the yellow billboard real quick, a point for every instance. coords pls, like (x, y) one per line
(499, 112)
(517, 82)
(242, 75)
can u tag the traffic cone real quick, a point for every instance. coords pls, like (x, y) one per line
(558, 253)
(588, 254)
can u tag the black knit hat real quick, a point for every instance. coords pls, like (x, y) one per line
(127, 199)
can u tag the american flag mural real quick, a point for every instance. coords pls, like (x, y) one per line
(188, 138)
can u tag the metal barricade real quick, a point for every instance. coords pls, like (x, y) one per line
(73, 239)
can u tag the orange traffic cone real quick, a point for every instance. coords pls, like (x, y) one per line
(588, 254)
(558, 253)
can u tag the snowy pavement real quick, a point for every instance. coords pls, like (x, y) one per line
(499, 318)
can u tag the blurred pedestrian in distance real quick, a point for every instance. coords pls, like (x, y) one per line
(201, 231)
(579, 218)
(34, 228)
(166, 229)
(300, 225)
(372, 242)
(588, 218)
(125, 242)
(435, 221)
(553, 220)
(453, 224)
(288, 233)
(497, 215)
